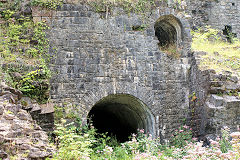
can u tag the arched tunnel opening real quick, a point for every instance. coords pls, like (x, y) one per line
(168, 31)
(121, 115)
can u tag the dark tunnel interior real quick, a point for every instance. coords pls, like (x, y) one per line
(169, 32)
(113, 118)
(166, 34)
(120, 116)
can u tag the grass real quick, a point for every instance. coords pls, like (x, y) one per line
(221, 56)
(172, 50)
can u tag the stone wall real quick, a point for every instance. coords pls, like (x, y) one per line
(98, 56)
(102, 55)
(214, 100)
(223, 103)
(199, 84)
(220, 14)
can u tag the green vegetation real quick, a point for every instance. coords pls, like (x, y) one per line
(49, 4)
(224, 142)
(21, 38)
(221, 55)
(171, 51)
(136, 6)
(24, 46)
(13, 5)
(139, 28)
(76, 142)
(181, 137)
(72, 145)
(68, 111)
(24, 43)
(35, 84)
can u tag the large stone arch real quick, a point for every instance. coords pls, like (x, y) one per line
(141, 95)
(122, 115)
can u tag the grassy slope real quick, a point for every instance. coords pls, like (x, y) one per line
(221, 56)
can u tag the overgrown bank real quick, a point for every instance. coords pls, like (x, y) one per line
(85, 143)
(23, 50)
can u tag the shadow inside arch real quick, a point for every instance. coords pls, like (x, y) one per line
(168, 30)
(121, 115)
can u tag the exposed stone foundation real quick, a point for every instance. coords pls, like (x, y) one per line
(20, 136)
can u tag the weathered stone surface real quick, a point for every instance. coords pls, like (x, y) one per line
(234, 79)
(99, 57)
(17, 127)
(1, 109)
(23, 115)
(27, 103)
(199, 84)
(216, 100)
(36, 108)
(16, 75)
(8, 116)
(47, 108)
(231, 86)
(3, 154)
(15, 92)
(221, 15)
(222, 111)
(9, 97)
(13, 108)
(216, 90)
(38, 154)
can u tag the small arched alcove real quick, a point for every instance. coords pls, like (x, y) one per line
(168, 30)
(121, 115)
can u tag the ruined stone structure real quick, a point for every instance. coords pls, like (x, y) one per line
(126, 71)
(213, 101)
(106, 67)
(220, 14)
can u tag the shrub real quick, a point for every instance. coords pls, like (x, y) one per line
(41, 37)
(35, 84)
(225, 144)
(7, 14)
(84, 143)
(181, 137)
(71, 145)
